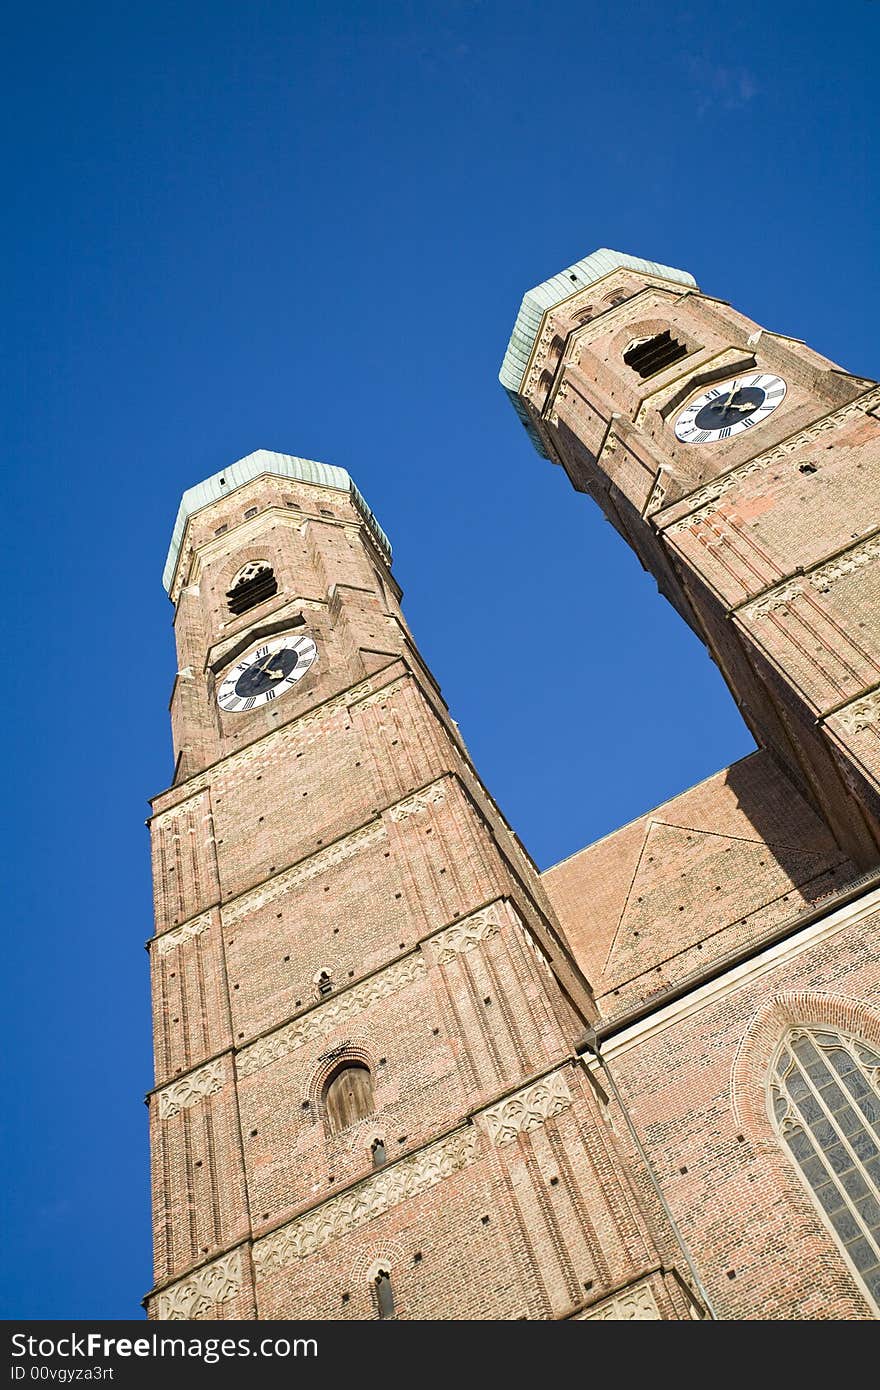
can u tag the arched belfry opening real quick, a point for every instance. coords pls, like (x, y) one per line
(252, 585)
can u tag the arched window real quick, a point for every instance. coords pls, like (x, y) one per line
(252, 585)
(825, 1105)
(349, 1096)
(384, 1294)
(649, 355)
(379, 1156)
(323, 983)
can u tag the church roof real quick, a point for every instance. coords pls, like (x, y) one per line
(253, 466)
(552, 292)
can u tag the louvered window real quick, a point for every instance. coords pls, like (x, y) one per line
(825, 1102)
(651, 355)
(253, 585)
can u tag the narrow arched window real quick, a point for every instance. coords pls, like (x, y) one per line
(377, 1149)
(825, 1105)
(324, 983)
(348, 1096)
(252, 585)
(384, 1294)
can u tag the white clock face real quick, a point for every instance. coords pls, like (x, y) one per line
(266, 672)
(730, 408)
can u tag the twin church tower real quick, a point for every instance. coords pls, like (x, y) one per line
(402, 1074)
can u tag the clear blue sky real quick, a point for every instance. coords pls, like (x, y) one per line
(308, 227)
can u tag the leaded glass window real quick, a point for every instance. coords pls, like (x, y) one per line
(825, 1101)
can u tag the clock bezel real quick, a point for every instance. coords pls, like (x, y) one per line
(307, 654)
(768, 382)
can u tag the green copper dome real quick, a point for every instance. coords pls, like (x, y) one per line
(253, 466)
(552, 292)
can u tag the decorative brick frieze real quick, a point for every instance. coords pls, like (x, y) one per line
(534, 1105)
(322, 1020)
(369, 1199)
(850, 562)
(190, 1089)
(217, 1283)
(861, 714)
(265, 747)
(633, 1305)
(777, 598)
(466, 935)
(317, 863)
(822, 579)
(378, 697)
(658, 492)
(704, 500)
(434, 795)
(170, 940)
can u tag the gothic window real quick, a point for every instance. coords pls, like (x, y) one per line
(349, 1096)
(377, 1149)
(649, 355)
(384, 1294)
(825, 1104)
(253, 585)
(324, 984)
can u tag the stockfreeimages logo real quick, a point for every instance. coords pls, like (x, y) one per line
(93, 1346)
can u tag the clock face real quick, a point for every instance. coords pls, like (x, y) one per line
(730, 408)
(266, 672)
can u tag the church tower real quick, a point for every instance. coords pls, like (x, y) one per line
(744, 470)
(371, 1099)
(730, 936)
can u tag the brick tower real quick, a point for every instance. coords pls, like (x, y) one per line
(370, 1096)
(730, 936)
(744, 470)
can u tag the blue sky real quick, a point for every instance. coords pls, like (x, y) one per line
(308, 227)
